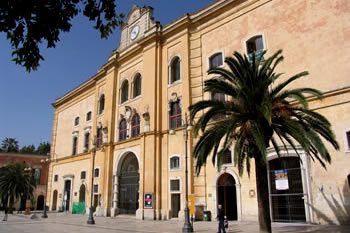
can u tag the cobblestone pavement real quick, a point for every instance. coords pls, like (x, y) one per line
(68, 223)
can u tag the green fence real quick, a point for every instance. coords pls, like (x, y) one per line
(78, 208)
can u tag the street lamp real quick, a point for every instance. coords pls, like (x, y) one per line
(27, 171)
(187, 225)
(46, 162)
(93, 150)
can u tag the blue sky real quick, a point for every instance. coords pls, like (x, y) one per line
(25, 98)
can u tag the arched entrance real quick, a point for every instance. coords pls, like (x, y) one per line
(40, 203)
(82, 192)
(54, 200)
(66, 195)
(286, 190)
(128, 184)
(226, 195)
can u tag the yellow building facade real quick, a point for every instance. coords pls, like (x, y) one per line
(124, 125)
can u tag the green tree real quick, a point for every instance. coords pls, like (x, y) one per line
(15, 182)
(43, 148)
(9, 145)
(30, 23)
(259, 113)
(28, 149)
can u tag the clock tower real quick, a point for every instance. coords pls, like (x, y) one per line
(139, 23)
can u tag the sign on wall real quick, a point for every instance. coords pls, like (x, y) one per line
(148, 200)
(281, 179)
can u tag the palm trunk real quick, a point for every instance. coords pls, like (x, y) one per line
(262, 190)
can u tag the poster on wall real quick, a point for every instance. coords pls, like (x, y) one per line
(148, 200)
(281, 179)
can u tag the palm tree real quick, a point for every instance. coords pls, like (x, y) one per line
(15, 183)
(259, 114)
(9, 145)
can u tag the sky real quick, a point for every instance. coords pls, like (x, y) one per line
(26, 112)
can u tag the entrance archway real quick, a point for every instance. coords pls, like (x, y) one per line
(40, 203)
(226, 195)
(82, 192)
(128, 184)
(66, 196)
(286, 190)
(54, 200)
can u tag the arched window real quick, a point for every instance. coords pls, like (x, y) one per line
(99, 137)
(175, 115)
(175, 162)
(101, 104)
(86, 141)
(137, 86)
(122, 130)
(75, 145)
(175, 70)
(76, 121)
(218, 97)
(88, 116)
(135, 125)
(255, 45)
(227, 157)
(83, 175)
(124, 92)
(215, 60)
(96, 172)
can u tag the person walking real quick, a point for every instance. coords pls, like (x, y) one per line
(221, 218)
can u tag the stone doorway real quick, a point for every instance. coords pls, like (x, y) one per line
(226, 195)
(286, 190)
(54, 200)
(128, 185)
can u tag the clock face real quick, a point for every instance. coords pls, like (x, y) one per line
(134, 32)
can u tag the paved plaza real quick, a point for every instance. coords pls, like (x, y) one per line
(68, 223)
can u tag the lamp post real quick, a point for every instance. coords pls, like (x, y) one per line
(91, 220)
(46, 162)
(187, 225)
(27, 171)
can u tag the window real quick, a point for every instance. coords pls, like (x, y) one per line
(83, 175)
(88, 116)
(122, 130)
(55, 178)
(175, 115)
(174, 162)
(175, 185)
(95, 188)
(75, 146)
(101, 104)
(86, 141)
(137, 86)
(124, 92)
(37, 176)
(215, 60)
(175, 70)
(255, 45)
(99, 137)
(97, 172)
(76, 121)
(218, 97)
(135, 125)
(348, 140)
(227, 157)
(349, 180)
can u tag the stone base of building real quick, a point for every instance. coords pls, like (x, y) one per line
(164, 214)
(114, 211)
